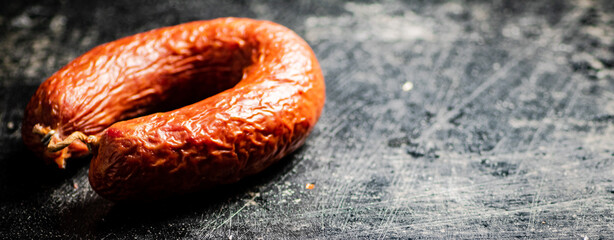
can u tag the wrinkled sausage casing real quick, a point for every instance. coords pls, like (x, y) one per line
(249, 93)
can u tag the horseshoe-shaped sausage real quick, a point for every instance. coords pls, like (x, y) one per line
(263, 92)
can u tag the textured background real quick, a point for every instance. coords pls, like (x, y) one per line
(464, 119)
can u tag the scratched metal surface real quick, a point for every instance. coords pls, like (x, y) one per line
(460, 119)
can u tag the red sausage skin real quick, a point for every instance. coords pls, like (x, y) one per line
(258, 92)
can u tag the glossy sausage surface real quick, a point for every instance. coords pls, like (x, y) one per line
(258, 92)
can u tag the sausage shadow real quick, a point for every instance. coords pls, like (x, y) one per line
(205, 203)
(25, 176)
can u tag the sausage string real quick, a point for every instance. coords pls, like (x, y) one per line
(46, 135)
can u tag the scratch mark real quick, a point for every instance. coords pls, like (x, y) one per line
(443, 118)
(438, 65)
(247, 203)
(443, 221)
(568, 88)
(531, 83)
(546, 39)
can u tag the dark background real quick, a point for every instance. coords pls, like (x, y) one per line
(507, 132)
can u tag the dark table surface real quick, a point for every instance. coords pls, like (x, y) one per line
(463, 119)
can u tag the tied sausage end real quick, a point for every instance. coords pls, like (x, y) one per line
(58, 149)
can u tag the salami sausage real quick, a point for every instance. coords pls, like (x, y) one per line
(245, 93)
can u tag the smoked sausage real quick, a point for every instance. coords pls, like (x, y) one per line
(245, 93)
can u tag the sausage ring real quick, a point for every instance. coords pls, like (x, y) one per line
(249, 93)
